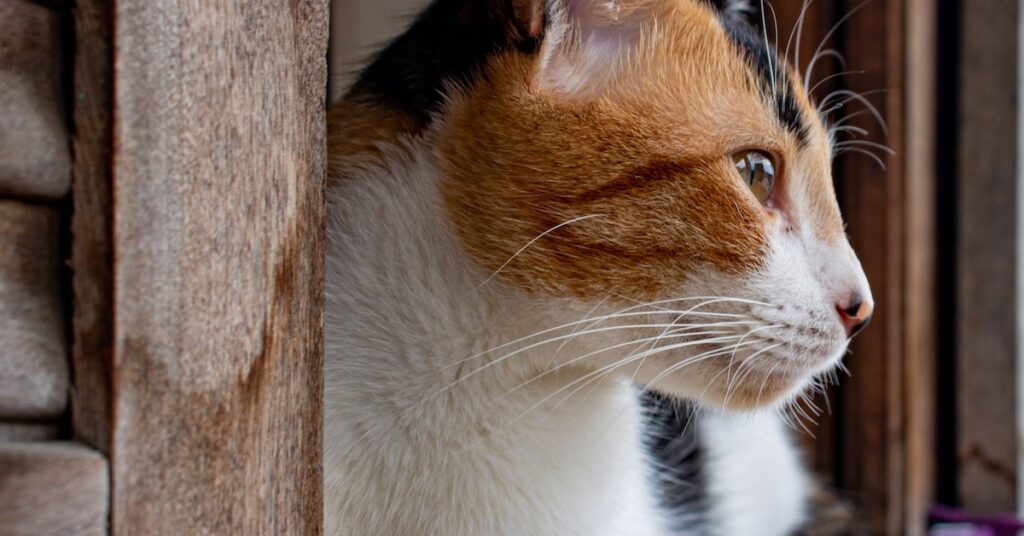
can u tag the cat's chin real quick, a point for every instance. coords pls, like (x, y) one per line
(771, 389)
(762, 387)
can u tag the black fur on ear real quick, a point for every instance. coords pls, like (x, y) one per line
(447, 44)
(732, 8)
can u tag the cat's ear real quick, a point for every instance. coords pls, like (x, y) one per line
(584, 42)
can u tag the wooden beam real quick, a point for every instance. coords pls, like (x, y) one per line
(52, 488)
(91, 247)
(219, 162)
(34, 156)
(871, 438)
(21, 431)
(987, 339)
(920, 60)
(877, 444)
(33, 352)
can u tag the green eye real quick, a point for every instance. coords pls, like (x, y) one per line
(757, 170)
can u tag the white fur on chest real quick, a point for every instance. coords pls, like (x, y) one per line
(404, 455)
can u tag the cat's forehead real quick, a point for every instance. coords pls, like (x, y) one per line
(717, 53)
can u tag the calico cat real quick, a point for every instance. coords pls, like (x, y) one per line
(535, 209)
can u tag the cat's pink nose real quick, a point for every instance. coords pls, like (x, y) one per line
(855, 313)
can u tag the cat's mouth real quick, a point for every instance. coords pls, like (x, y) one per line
(750, 367)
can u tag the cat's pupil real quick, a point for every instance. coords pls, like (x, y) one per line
(756, 169)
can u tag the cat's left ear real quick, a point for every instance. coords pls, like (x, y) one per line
(584, 42)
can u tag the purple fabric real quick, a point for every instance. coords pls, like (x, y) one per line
(1000, 525)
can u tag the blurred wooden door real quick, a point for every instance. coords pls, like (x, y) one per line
(876, 444)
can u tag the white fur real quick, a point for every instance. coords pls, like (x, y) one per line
(755, 480)
(401, 459)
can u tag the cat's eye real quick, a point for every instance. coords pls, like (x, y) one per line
(757, 170)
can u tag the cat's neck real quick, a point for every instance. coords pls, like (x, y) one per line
(406, 316)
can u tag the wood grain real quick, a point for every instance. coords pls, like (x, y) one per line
(919, 268)
(91, 220)
(219, 156)
(52, 489)
(877, 444)
(873, 200)
(21, 431)
(34, 156)
(33, 354)
(987, 342)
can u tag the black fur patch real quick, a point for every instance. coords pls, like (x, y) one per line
(671, 432)
(448, 43)
(765, 62)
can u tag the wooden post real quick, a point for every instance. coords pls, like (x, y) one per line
(987, 339)
(91, 221)
(218, 168)
(877, 445)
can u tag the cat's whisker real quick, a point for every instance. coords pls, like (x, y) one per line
(847, 118)
(771, 66)
(832, 31)
(748, 362)
(639, 342)
(859, 97)
(773, 50)
(654, 344)
(864, 152)
(764, 382)
(675, 324)
(798, 29)
(850, 128)
(534, 240)
(866, 143)
(801, 417)
(720, 298)
(684, 362)
(611, 367)
(732, 358)
(830, 77)
(548, 341)
(829, 52)
(627, 312)
(578, 326)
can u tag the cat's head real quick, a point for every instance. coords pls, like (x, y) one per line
(659, 158)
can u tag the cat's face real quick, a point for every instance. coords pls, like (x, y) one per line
(648, 156)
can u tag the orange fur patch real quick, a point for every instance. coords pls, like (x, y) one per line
(646, 164)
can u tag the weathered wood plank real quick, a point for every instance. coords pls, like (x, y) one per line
(872, 201)
(987, 343)
(871, 435)
(52, 489)
(91, 248)
(33, 355)
(218, 161)
(919, 276)
(20, 431)
(34, 156)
